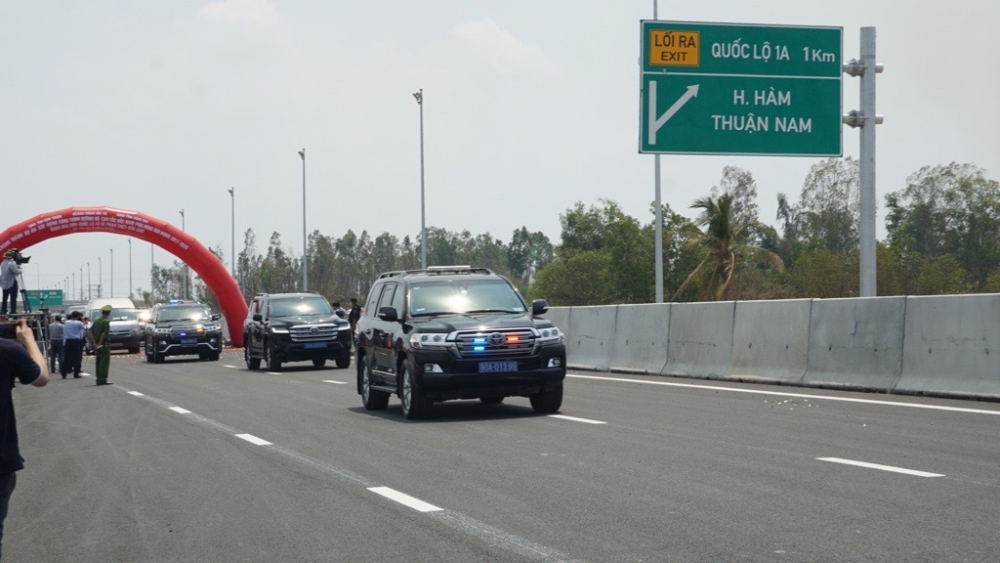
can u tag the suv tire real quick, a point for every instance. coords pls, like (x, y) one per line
(547, 401)
(157, 357)
(252, 362)
(319, 362)
(415, 404)
(372, 399)
(270, 360)
(344, 361)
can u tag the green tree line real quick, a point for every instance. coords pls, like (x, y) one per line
(943, 237)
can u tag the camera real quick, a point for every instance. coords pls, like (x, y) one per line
(8, 330)
(20, 258)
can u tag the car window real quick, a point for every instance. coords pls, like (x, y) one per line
(386, 299)
(373, 298)
(398, 300)
(300, 307)
(434, 297)
(170, 314)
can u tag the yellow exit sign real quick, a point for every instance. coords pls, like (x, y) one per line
(673, 48)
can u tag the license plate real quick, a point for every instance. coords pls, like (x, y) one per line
(495, 367)
(315, 345)
(189, 340)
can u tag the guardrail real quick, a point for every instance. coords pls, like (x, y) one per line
(936, 345)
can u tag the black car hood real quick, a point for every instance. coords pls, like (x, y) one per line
(310, 320)
(478, 321)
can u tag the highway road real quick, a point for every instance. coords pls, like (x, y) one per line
(191, 461)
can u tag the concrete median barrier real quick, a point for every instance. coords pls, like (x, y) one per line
(640, 343)
(856, 343)
(591, 336)
(951, 345)
(700, 341)
(771, 340)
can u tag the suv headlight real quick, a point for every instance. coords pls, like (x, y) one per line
(164, 330)
(424, 340)
(550, 336)
(279, 330)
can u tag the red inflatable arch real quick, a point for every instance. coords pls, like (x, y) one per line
(134, 224)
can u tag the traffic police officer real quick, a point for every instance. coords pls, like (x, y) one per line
(101, 332)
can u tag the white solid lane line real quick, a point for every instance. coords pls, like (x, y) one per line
(781, 394)
(404, 499)
(575, 419)
(882, 467)
(337, 382)
(136, 393)
(180, 410)
(254, 440)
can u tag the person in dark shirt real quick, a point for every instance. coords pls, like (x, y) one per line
(355, 314)
(21, 361)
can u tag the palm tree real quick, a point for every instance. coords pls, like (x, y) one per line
(724, 245)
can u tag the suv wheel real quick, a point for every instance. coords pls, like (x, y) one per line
(344, 361)
(270, 360)
(319, 362)
(547, 401)
(415, 404)
(157, 357)
(252, 363)
(372, 399)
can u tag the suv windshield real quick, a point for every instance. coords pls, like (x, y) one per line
(116, 315)
(435, 297)
(168, 314)
(300, 307)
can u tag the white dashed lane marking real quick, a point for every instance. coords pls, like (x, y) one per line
(880, 467)
(404, 499)
(575, 419)
(180, 410)
(254, 440)
(228, 366)
(136, 393)
(337, 382)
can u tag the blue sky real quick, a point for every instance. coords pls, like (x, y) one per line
(530, 106)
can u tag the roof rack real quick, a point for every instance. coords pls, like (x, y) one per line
(438, 271)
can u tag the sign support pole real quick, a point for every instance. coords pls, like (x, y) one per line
(659, 210)
(867, 166)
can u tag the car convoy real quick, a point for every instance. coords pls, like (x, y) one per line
(427, 336)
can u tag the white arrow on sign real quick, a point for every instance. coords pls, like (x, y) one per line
(656, 122)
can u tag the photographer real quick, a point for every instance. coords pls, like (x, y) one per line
(9, 270)
(23, 361)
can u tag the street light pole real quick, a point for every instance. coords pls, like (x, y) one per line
(130, 268)
(419, 95)
(305, 249)
(184, 228)
(232, 213)
(112, 293)
(100, 277)
(89, 295)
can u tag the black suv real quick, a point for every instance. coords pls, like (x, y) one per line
(182, 328)
(294, 327)
(456, 333)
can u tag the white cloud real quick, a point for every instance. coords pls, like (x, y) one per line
(253, 14)
(501, 49)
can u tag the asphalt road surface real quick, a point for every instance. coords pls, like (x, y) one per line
(207, 462)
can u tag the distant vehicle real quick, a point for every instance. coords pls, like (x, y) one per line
(125, 331)
(183, 328)
(294, 327)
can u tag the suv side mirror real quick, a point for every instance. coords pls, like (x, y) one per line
(539, 307)
(216, 317)
(388, 314)
(258, 318)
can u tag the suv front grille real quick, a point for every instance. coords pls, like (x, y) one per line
(313, 333)
(176, 331)
(516, 344)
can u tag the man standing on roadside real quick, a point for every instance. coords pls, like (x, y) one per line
(21, 361)
(74, 331)
(355, 315)
(56, 346)
(9, 270)
(101, 332)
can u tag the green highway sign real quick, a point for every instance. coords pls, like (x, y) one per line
(53, 298)
(712, 88)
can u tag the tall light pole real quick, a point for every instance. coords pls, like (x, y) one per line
(100, 277)
(184, 228)
(305, 249)
(232, 213)
(658, 214)
(130, 268)
(419, 95)
(112, 293)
